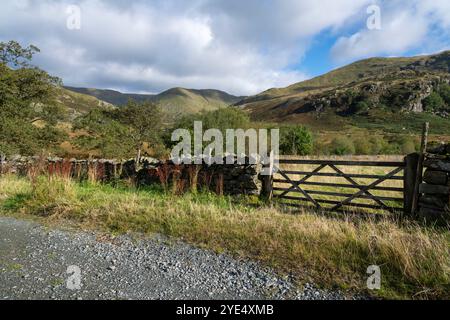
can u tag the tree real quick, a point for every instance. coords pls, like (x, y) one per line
(296, 140)
(444, 92)
(122, 131)
(27, 96)
(221, 119)
(433, 102)
(99, 131)
(12, 53)
(144, 123)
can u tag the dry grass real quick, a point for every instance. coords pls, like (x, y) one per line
(414, 260)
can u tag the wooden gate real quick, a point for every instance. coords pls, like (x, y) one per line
(316, 183)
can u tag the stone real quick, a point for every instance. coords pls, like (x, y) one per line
(431, 156)
(437, 148)
(435, 177)
(440, 165)
(433, 215)
(434, 201)
(434, 189)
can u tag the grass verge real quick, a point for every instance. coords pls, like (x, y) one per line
(414, 260)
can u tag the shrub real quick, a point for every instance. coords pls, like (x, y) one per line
(360, 107)
(296, 141)
(343, 146)
(377, 144)
(363, 146)
(433, 102)
(444, 92)
(408, 146)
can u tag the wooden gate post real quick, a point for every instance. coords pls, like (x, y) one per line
(409, 182)
(267, 191)
(267, 179)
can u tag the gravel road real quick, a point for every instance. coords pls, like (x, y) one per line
(34, 261)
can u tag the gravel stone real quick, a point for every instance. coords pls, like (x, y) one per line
(34, 262)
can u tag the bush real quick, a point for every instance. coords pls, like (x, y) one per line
(360, 107)
(343, 146)
(408, 146)
(296, 141)
(444, 92)
(362, 146)
(377, 144)
(433, 102)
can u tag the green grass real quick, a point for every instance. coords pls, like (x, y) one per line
(404, 123)
(331, 252)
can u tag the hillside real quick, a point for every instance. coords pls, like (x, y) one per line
(175, 101)
(362, 94)
(78, 103)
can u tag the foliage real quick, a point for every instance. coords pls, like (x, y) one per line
(221, 119)
(434, 102)
(444, 92)
(120, 132)
(296, 140)
(27, 98)
(360, 107)
(100, 132)
(343, 145)
(363, 146)
(143, 122)
(12, 53)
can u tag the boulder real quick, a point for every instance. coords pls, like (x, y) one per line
(435, 177)
(435, 164)
(434, 189)
(437, 148)
(432, 213)
(436, 201)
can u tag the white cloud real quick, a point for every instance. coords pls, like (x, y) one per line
(243, 47)
(405, 25)
(239, 46)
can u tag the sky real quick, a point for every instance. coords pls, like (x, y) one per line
(242, 47)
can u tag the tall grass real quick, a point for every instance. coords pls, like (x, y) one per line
(415, 261)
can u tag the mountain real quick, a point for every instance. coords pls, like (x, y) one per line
(364, 93)
(176, 101)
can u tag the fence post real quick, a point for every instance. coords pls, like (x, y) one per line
(409, 182)
(267, 179)
(267, 191)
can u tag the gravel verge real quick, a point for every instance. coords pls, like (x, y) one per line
(34, 261)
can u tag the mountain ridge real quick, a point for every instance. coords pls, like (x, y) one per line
(175, 101)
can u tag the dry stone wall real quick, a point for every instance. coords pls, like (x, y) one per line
(230, 179)
(434, 201)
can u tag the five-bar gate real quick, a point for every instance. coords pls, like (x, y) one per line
(316, 183)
